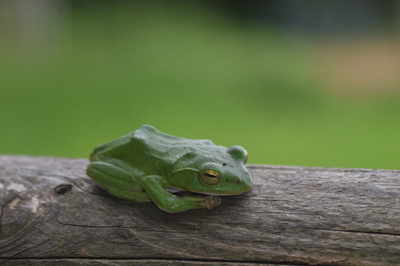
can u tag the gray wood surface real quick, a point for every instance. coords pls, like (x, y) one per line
(52, 213)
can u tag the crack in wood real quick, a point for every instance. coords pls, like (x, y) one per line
(357, 232)
(2, 207)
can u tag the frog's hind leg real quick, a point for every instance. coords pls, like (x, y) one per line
(117, 181)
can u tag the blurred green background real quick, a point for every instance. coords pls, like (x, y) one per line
(294, 82)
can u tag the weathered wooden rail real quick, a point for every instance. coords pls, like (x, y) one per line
(52, 213)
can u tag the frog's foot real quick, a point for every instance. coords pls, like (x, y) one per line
(212, 201)
(179, 204)
(166, 201)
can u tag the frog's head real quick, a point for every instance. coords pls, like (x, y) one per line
(212, 170)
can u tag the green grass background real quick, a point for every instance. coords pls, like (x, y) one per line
(193, 74)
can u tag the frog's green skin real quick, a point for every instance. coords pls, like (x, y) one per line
(147, 165)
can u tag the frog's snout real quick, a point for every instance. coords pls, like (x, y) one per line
(248, 182)
(243, 184)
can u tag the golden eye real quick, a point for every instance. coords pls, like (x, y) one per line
(246, 156)
(210, 177)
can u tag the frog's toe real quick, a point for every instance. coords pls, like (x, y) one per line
(212, 201)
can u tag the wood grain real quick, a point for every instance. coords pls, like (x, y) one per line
(51, 212)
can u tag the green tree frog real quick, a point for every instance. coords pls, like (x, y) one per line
(148, 165)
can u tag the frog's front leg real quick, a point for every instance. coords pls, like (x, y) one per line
(118, 179)
(166, 201)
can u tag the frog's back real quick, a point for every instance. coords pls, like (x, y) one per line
(151, 150)
(163, 145)
(157, 152)
(152, 137)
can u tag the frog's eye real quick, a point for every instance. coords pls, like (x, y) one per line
(238, 152)
(210, 177)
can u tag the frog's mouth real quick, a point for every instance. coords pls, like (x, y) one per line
(181, 190)
(223, 194)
